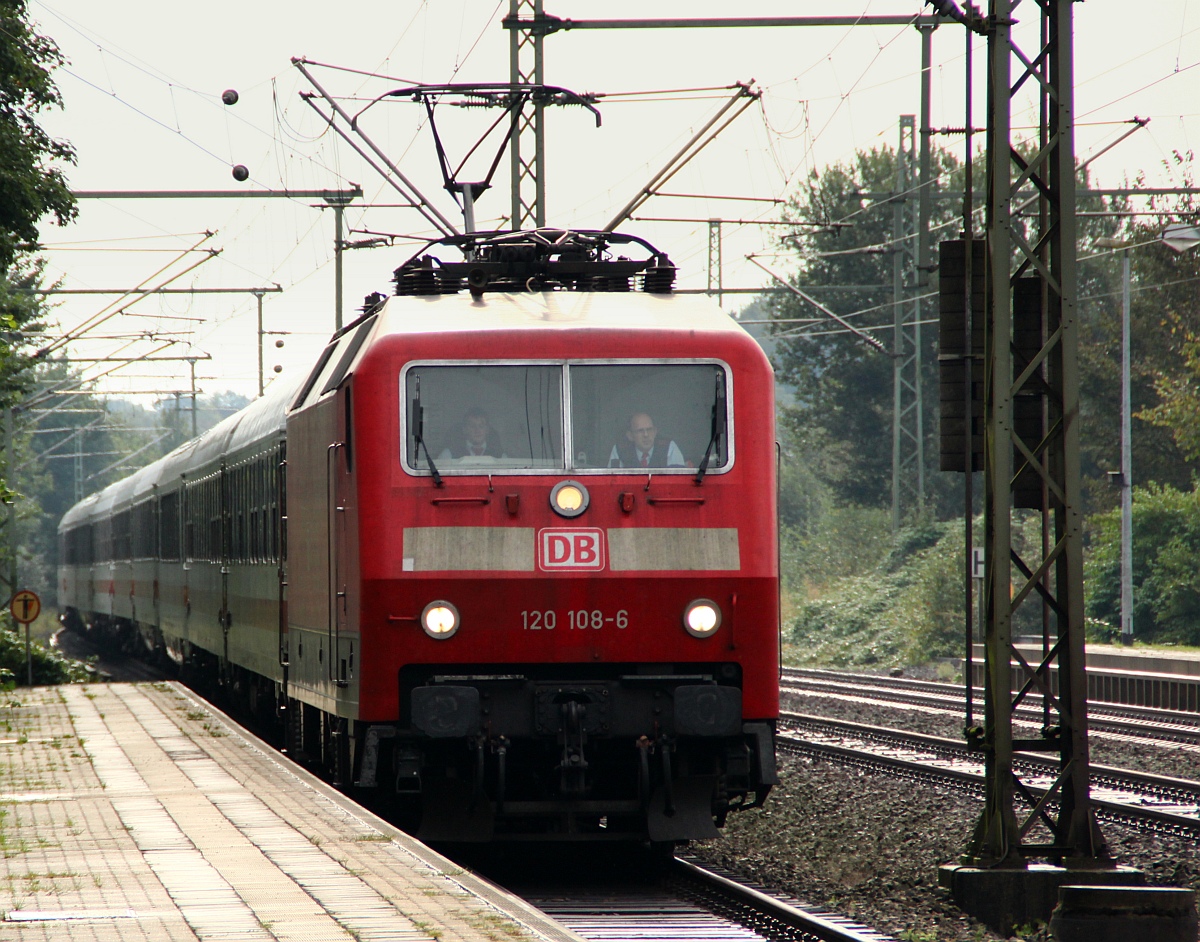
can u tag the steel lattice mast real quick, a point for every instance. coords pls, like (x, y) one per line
(908, 454)
(1031, 450)
(526, 66)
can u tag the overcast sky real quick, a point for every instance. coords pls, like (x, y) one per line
(143, 108)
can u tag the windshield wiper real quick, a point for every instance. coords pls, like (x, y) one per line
(719, 419)
(418, 425)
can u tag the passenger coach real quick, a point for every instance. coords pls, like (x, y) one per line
(447, 562)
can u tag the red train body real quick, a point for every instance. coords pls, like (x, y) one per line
(546, 639)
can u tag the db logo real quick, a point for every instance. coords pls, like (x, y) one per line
(570, 549)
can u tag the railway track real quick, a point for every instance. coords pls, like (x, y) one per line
(682, 899)
(108, 666)
(1147, 724)
(632, 899)
(1149, 802)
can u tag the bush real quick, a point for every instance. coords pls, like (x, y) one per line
(848, 542)
(49, 667)
(906, 609)
(1166, 580)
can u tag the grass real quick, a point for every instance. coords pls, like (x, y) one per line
(496, 927)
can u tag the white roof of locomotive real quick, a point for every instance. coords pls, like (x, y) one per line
(554, 310)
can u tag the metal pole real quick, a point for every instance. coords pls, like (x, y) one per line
(1000, 841)
(898, 235)
(258, 294)
(539, 125)
(10, 523)
(968, 234)
(527, 65)
(714, 259)
(554, 24)
(925, 199)
(11, 526)
(78, 463)
(338, 209)
(192, 363)
(1126, 465)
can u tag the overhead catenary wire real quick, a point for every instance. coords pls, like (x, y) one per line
(866, 338)
(464, 36)
(106, 313)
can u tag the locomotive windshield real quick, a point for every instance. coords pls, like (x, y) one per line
(478, 418)
(485, 417)
(645, 415)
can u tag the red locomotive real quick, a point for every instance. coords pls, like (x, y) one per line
(506, 555)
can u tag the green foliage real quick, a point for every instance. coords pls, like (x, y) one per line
(899, 601)
(32, 185)
(1164, 361)
(843, 406)
(843, 542)
(1166, 579)
(1179, 407)
(31, 182)
(49, 667)
(22, 316)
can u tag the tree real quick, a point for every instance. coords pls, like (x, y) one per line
(843, 405)
(1166, 542)
(32, 183)
(1164, 364)
(1165, 324)
(844, 399)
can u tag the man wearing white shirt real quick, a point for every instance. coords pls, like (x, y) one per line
(642, 449)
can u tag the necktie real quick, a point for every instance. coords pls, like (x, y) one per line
(645, 459)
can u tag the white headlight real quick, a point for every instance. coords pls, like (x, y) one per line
(440, 619)
(701, 618)
(569, 498)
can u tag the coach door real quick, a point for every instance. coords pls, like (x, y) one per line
(279, 554)
(224, 548)
(154, 540)
(338, 464)
(186, 553)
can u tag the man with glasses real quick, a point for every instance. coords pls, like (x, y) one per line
(643, 449)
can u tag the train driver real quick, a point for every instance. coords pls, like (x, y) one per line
(476, 438)
(643, 449)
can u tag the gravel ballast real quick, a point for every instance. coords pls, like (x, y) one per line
(868, 845)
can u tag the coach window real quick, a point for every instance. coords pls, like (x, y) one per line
(475, 419)
(121, 546)
(168, 523)
(678, 400)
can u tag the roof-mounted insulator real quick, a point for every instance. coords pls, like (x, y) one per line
(660, 276)
(605, 283)
(372, 302)
(419, 278)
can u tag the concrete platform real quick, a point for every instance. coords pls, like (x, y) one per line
(136, 812)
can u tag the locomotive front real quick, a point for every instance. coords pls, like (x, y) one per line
(566, 548)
